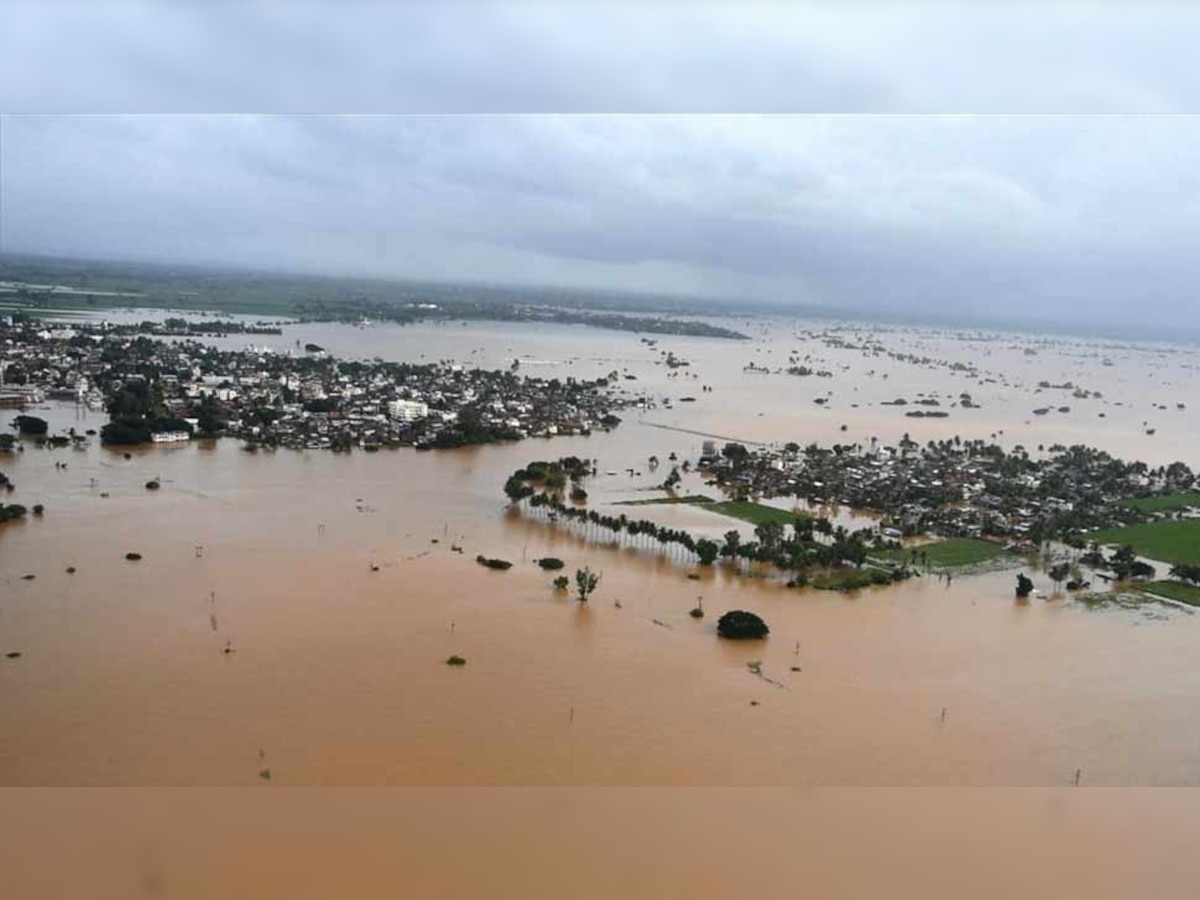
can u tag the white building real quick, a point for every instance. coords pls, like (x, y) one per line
(407, 410)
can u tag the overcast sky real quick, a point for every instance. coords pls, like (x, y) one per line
(1053, 217)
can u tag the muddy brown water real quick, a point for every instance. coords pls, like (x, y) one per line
(336, 673)
(619, 842)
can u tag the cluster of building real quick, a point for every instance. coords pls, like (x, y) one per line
(953, 487)
(302, 400)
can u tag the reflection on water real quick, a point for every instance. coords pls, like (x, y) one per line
(337, 672)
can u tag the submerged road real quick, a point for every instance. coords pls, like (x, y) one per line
(719, 437)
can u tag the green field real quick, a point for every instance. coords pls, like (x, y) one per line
(754, 513)
(691, 499)
(1169, 542)
(946, 554)
(1173, 590)
(843, 580)
(1164, 502)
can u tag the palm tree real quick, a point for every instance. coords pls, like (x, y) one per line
(733, 543)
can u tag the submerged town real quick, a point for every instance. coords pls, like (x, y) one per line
(954, 487)
(174, 390)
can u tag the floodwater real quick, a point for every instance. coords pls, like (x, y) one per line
(254, 637)
(535, 843)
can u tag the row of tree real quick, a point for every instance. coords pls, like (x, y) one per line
(813, 542)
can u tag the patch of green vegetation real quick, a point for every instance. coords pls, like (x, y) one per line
(1169, 542)
(755, 513)
(1172, 590)
(945, 554)
(12, 511)
(491, 563)
(849, 579)
(1163, 502)
(696, 499)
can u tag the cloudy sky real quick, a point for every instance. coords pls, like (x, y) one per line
(526, 174)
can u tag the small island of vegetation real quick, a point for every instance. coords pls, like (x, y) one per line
(500, 565)
(739, 625)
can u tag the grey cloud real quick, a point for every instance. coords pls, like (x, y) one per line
(1052, 218)
(306, 56)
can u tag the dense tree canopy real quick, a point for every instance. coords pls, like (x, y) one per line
(738, 624)
(31, 425)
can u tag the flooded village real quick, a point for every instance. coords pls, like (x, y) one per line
(953, 487)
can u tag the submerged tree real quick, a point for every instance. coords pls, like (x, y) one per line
(707, 551)
(738, 624)
(586, 581)
(1058, 573)
(733, 545)
(1024, 586)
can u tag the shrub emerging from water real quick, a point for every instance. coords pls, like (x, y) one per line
(740, 625)
(492, 563)
(456, 660)
(12, 511)
(561, 583)
(133, 557)
(551, 563)
(1024, 586)
(31, 425)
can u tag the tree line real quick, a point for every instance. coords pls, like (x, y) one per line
(813, 542)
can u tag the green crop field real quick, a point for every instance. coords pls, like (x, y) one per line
(1169, 542)
(844, 580)
(946, 554)
(1163, 502)
(755, 513)
(1173, 590)
(690, 499)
